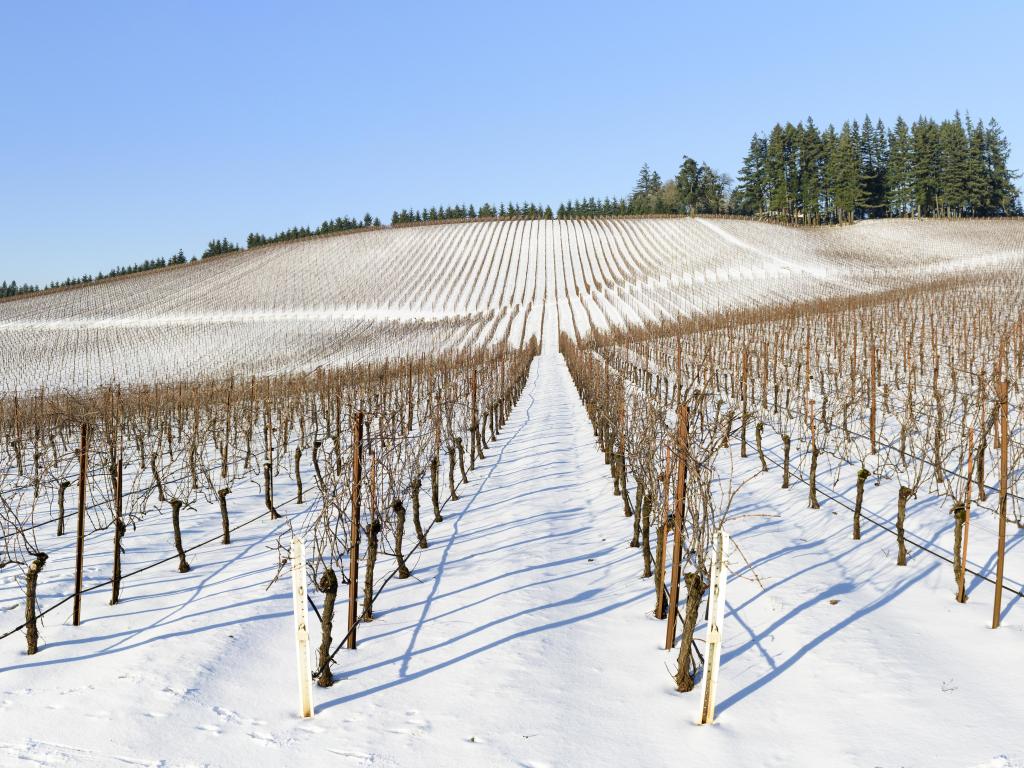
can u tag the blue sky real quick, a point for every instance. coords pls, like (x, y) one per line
(129, 130)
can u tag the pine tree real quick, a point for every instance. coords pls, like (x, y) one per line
(643, 182)
(844, 174)
(926, 166)
(775, 172)
(812, 157)
(1002, 196)
(687, 185)
(953, 167)
(751, 194)
(977, 177)
(873, 152)
(899, 175)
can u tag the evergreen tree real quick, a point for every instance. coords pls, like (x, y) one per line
(843, 170)
(1003, 195)
(926, 165)
(953, 167)
(874, 154)
(642, 188)
(977, 178)
(687, 181)
(779, 200)
(752, 192)
(899, 173)
(811, 152)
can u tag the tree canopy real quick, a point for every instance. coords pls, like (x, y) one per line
(957, 167)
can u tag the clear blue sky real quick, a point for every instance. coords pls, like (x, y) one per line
(131, 129)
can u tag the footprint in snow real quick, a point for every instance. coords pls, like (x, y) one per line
(177, 692)
(263, 739)
(227, 716)
(350, 753)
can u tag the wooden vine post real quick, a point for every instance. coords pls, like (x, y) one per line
(874, 396)
(474, 437)
(743, 401)
(682, 417)
(268, 469)
(301, 627)
(678, 394)
(659, 576)
(353, 563)
(983, 437)
(119, 529)
(83, 468)
(1003, 389)
(812, 480)
(962, 595)
(716, 616)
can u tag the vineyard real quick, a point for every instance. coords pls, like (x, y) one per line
(521, 457)
(401, 292)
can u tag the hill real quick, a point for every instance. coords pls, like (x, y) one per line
(395, 292)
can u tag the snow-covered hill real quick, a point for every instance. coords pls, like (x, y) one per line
(388, 293)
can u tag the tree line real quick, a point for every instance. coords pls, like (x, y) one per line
(463, 213)
(13, 289)
(340, 224)
(800, 174)
(217, 247)
(953, 168)
(696, 188)
(796, 173)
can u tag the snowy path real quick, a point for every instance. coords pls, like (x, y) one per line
(522, 608)
(523, 601)
(525, 637)
(531, 641)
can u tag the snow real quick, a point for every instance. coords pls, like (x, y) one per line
(378, 314)
(526, 637)
(410, 290)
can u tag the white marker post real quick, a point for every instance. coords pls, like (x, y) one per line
(301, 627)
(716, 616)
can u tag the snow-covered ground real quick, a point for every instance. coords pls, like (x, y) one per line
(526, 637)
(331, 301)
